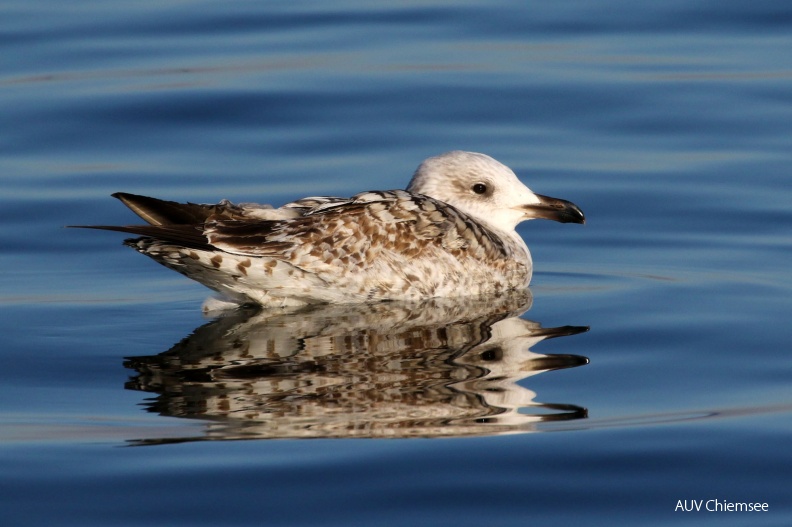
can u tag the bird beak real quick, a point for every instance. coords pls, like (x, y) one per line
(554, 209)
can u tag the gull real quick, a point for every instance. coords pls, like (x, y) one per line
(451, 233)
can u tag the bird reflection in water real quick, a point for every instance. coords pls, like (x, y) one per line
(437, 368)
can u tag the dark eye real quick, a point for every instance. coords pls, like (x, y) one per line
(479, 188)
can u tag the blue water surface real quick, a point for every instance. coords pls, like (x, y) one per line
(669, 124)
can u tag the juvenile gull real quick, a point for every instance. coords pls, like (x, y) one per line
(450, 234)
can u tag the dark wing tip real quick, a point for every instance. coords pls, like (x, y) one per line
(184, 235)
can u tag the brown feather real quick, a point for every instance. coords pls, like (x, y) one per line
(187, 235)
(161, 212)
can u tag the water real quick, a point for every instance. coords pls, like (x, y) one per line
(669, 124)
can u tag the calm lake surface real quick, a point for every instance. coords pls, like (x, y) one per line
(647, 369)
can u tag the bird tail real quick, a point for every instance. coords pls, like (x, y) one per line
(169, 221)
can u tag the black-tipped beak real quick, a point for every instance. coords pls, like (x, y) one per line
(554, 209)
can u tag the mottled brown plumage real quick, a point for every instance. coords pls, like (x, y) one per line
(450, 234)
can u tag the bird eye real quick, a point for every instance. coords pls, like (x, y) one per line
(479, 188)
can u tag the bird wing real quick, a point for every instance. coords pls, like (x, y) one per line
(319, 230)
(162, 212)
(357, 230)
